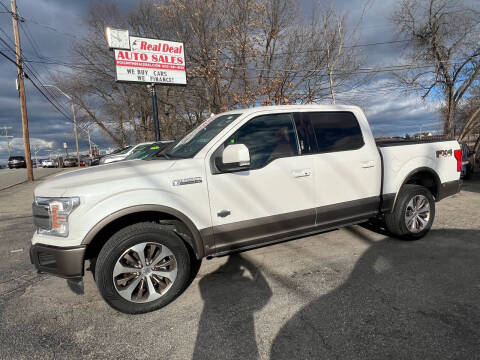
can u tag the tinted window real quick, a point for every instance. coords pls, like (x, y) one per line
(306, 138)
(267, 137)
(336, 131)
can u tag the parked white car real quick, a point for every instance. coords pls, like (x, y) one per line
(122, 154)
(49, 163)
(240, 180)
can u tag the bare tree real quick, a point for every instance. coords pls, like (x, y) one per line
(468, 119)
(444, 50)
(238, 53)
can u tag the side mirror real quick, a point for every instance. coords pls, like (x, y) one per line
(235, 157)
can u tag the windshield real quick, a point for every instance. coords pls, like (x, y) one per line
(137, 150)
(195, 140)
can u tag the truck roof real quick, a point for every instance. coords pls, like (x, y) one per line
(297, 107)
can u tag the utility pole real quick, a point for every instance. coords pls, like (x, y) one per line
(6, 136)
(21, 91)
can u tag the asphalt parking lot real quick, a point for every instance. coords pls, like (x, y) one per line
(346, 294)
(12, 177)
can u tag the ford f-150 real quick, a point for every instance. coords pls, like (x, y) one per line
(240, 180)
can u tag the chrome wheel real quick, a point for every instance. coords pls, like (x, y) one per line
(145, 272)
(417, 215)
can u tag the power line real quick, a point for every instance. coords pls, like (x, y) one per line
(37, 87)
(26, 74)
(32, 69)
(5, 7)
(34, 74)
(8, 37)
(21, 74)
(49, 28)
(8, 58)
(30, 40)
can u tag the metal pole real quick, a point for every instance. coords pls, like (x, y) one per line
(89, 143)
(7, 137)
(21, 91)
(74, 121)
(155, 113)
(35, 150)
(76, 134)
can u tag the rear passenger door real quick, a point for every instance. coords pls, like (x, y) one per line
(275, 198)
(347, 167)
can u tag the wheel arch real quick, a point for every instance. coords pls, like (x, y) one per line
(424, 176)
(171, 218)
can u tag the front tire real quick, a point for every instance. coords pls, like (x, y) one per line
(413, 214)
(142, 268)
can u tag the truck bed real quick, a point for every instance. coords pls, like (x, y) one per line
(401, 158)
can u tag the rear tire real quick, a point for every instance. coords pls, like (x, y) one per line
(142, 268)
(413, 214)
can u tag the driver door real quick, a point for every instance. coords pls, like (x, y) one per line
(274, 198)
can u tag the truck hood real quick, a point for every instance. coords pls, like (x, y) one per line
(92, 179)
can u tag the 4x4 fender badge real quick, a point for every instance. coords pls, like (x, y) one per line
(187, 181)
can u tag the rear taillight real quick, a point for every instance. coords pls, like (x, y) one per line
(458, 156)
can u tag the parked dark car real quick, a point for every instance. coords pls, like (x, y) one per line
(94, 161)
(69, 162)
(16, 162)
(467, 164)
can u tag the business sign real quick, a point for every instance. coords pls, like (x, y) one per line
(117, 38)
(151, 61)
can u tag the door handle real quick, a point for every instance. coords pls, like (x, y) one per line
(302, 173)
(368, 164)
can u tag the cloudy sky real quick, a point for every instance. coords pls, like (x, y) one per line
(52, 24)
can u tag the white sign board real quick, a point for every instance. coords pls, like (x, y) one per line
(64, 145)
(117, 38)
(151, 61)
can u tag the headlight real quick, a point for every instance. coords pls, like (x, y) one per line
(50, 215)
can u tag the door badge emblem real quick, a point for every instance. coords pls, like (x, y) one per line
(187, 181)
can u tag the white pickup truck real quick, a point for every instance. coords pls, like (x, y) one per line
(240, 180)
